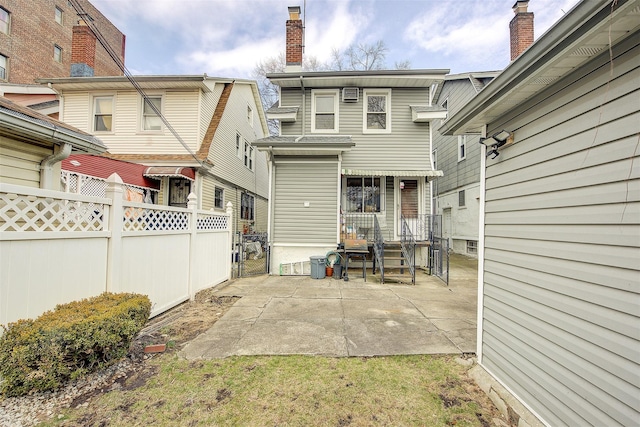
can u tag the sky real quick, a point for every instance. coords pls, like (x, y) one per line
(228, 38)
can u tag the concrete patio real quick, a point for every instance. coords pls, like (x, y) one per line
(280, 315)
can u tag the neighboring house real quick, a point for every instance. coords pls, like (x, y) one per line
(32, 146)
(559, 297)
(214, 119)
(456, 194)
(87, 174)
(353, 146)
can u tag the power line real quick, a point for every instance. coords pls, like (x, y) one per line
(103, 42)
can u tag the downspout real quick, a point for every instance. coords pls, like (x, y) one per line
(304, 105)
(481, 237)
(46, 166)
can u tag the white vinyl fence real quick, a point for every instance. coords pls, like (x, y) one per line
(58, 247)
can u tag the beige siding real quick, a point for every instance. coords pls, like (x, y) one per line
(316, 182)
(208, 103)
(20, 162)
(562, 244)
(227, 165)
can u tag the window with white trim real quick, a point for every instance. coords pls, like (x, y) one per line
(363, 194)
(238, 146)
(247, 206)
(250, 115)
(103, 114)
(151, 121)
(218, 198)
(472, 246)
(324, 111)
(377, 111)
(248, 155)
(57, 53)
(3, 67)
(58, 15)
(5, 20)
(462, 147)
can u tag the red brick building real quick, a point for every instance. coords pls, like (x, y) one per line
(36, 40)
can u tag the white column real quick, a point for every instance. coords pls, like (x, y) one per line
(114, 214)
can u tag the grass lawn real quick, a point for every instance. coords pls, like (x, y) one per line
(291, 390)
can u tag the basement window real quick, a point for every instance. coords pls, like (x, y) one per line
(472, 247)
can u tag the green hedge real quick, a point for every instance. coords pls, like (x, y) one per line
(69, 341)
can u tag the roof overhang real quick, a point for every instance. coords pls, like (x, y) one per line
(583, 33)
(121, 82)
(400, 173)
(159, 172)
(374, 78)
(425, 113)
(305, 145)
(284, 114)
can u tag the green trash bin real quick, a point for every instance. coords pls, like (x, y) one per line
(318, 267)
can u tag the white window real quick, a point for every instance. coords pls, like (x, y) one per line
(435, 159)
(5, 20)
(150, 119)
(472, 246)
(324, 114)
(462, 147)
(247, 207)
(250, 115)
(248, 155)
(58, 15)
(363, 194)
(3, 67)
(57, 53)
(103, 113)
(238, 146)
(218, 200)
(377, 112)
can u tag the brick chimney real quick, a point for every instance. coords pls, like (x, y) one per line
(295, 43)
(521, 28)
(83, 51)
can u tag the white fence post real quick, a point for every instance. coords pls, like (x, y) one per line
(114, 192)
(192, 204)
(230, 234)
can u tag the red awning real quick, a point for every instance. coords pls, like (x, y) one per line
(158, 172)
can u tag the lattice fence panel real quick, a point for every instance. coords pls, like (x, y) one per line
(212, 222)
(32, 213)
(145, 219)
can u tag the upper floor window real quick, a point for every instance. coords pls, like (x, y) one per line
(3, 67)
(238, 146)
(377, 117)
(58, 15)
(435, 159)
(247, 207)
(5, 20)
(150, 118)
(248, 155)
(462, 147)
(57, 53)
(249, 115)
(363, 194)
(218, 197)
(324, 114)
(103, 113)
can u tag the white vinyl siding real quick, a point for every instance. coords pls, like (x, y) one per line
(20, 162)
(562, 227)
(314, 183)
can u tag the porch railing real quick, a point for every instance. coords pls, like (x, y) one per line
(378, 248)
(426, 226)
(361, 226)
(408, 247)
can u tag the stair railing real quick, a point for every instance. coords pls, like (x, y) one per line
(408, 247)
(378, 247)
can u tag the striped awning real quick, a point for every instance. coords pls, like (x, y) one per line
(158, 172)
(372, 172)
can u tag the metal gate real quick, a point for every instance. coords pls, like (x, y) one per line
(438, 249)
(252, 254)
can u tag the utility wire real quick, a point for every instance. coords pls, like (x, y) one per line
(103, 42)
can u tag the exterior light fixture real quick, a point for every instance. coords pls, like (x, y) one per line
(495, 141)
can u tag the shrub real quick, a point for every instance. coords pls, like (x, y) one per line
(69, 341)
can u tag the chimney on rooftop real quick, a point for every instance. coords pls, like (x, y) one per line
(83, 50)
(521, 28)
(294, 41)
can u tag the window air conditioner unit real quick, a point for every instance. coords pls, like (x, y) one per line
(350, 94)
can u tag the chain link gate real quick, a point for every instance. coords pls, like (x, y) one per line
(252, 254)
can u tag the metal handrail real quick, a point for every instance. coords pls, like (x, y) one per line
(408, 247)
(378, 247)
